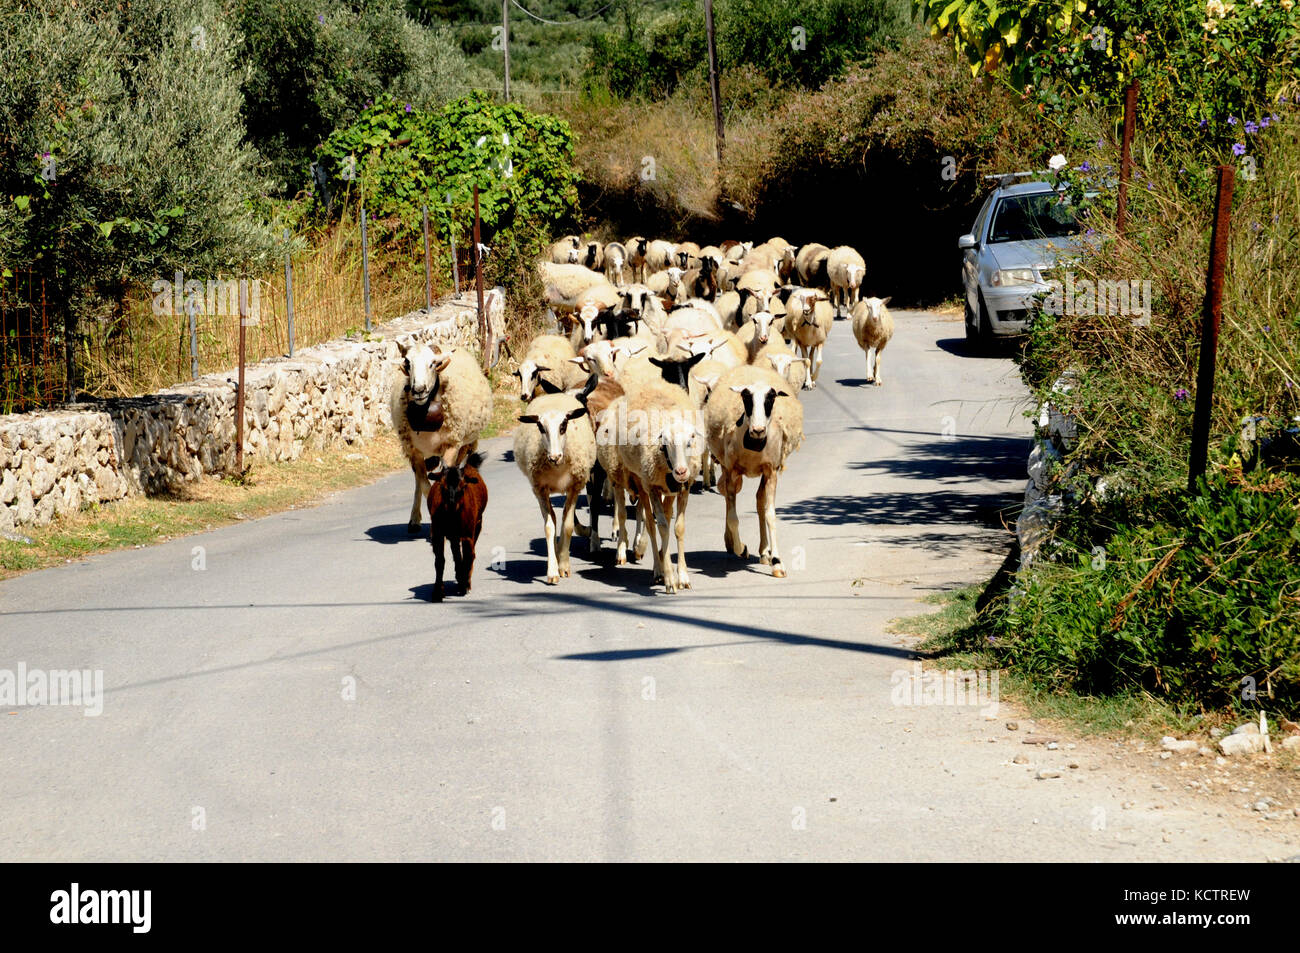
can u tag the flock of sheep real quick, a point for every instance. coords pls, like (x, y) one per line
(669, 362)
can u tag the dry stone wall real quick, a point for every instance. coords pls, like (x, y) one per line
(55, 462)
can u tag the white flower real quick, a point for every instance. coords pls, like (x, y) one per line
(1056, 163)
(1215, 8)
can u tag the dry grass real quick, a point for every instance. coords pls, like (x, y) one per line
(138, 352)
(205, 505)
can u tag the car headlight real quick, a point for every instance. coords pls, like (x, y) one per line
(1013, 276)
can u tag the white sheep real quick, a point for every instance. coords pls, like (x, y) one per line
(590, 308)
(636, 257)
(565, 285)
(592, 256)
(555, 448)
(793, 369)
(566, 250)
(810, 265)
(547, 367)
(616, 266)
(660, 256)
(660, 440)
(809, 331)
(844, 269)
(753, 423)
(762, 328)
(686, 256)
(667, 284)
(873, 326)
(760, 284)
(438, 405)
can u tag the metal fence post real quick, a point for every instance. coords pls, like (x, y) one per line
(288, 287)
(1126, 157)
(478, 280)
(1210, 329)
(193, 308)
(239, 396)
(365, 266)
(428, 278)
(455, 262)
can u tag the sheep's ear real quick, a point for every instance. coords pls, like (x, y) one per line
(549, 387)
(527, 418)
(660, 362)
(403, 345)
(887, 300)
(576, 413)
(695, 359)
(538, 368)
(738, 388)
(440, 363)
(783, 393)
(579, 360)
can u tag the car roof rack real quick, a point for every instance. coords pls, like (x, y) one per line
(1008, 178)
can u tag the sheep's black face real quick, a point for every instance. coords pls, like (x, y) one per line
(677, 372)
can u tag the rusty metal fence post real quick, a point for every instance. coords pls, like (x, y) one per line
(478, 280)
(428, 277)
(365, 266)
(192, 307)
(288, 288)
(239, 394)
(1126, 157)
(1210, 329)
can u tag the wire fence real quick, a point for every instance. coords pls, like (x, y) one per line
(33, 356)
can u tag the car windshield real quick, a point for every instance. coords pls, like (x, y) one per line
(1020, 218)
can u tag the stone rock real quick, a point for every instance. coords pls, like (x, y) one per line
(1239, 744)
(1170, 743)
(1291, 742)
(1249, 728)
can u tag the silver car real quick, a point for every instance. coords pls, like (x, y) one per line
(1015, 247)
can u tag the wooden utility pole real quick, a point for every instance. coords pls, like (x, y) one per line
(713, 75)
(505, 43)
(1210, 330)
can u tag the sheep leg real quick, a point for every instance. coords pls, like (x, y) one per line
(683, 580)
(879, 349)
(570, 503)
(620, 527)
(817, 366)
(768, 516)
(760, 505)
(439, 563)
(663, 511)
(871, 377)
(731, 484)
(640, 541)
(421, 493)
(593, 504)
(548, 521)
(648, 523)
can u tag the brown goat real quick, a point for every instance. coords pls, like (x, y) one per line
(457, 498)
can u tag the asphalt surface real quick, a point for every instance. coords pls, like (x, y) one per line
(300, 698)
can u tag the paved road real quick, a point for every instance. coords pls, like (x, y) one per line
(750, 718)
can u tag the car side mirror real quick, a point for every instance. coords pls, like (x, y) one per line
(966, 241)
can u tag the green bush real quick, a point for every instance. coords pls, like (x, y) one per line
(472, 141)
(135, 111)
(1181, 599)
(313, 65)
(803, 43)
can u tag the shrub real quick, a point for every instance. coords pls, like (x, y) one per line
(1181, 599)
(313, 64)
(136, 109)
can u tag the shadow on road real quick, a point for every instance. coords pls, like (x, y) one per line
(391, 533)
(999, 349)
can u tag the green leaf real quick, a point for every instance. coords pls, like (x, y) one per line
(22, 201)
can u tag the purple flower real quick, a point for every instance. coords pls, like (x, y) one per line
(1232, 120)
(1264, 123)
(1090, 232)
(320, 18)
(1182, 170)
(1238, 148)
(1202, 123)
(1254, 226)
(1274, 117)
(1101, 143)
(1085, 167)
(408, 107)
(1268, 329)
(1181, 394)
(1251, 128)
